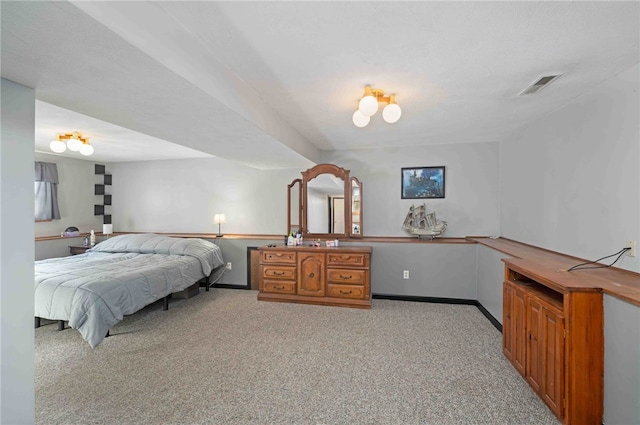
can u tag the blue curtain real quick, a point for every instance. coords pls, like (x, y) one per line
(46, 191)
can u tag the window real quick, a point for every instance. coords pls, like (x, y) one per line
(46, 192)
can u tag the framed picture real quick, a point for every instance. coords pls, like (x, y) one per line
(423, 182)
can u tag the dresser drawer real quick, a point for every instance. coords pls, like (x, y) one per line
(347, 276)
(346, 291)
(279, 286)
(347, 259)
(278, 272)
(278, 257)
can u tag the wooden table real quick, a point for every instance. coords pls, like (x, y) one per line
(78, 249)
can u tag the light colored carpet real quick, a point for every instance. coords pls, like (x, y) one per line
(223, 357)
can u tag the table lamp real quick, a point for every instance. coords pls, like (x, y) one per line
(107, 229)
(219, 219)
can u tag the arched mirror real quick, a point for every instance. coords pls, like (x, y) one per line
(330, 203)
(325, 205)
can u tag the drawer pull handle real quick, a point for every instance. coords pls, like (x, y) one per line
(280, 288)
(345, 293)
(346, 277)
(278, 273)
(311, 275)
(345, 257)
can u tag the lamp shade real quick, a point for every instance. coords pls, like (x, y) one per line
(107, 229)
(368, 105)
(74, 144)
(360, 120)
(391, 113)
(58, 146)
(86, 149)
(219, 219)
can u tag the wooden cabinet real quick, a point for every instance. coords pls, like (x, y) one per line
(514, 326)
(562, 360)
(551, 352)
(545, 352)
(329, 276)
(533, 372)
(311, 269)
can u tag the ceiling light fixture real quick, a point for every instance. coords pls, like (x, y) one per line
(75, 142)
(368, 106)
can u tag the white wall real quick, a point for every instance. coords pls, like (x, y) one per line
(621, 362)
(75, 196)
(570, 183)
(570, 179)
(183, 196)
(17, 399)
(471, 203)
(435, 270)
(489, 278)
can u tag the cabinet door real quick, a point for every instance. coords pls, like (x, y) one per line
(534, 342)
(520, 330)
(552, 353)
(311, 280)
(507, 321)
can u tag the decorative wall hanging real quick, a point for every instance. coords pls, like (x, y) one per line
(423, 182)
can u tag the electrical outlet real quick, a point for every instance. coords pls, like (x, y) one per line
(405, 274)
(633, 251)
(229, 266)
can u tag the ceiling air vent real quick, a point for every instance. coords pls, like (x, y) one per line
(540, 83)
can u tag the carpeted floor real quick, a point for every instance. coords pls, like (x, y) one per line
(223, 357)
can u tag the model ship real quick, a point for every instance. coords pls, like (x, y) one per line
(421, 223)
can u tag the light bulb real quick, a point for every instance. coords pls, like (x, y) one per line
(391, 113)
(74, 145)
(86, 149)
(57, 146)
(359, 119)
(368, 105)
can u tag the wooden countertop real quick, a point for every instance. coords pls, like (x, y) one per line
(551, 268)
(366, 239)
(306, 247)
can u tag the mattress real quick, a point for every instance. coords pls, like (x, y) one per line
(93, 291)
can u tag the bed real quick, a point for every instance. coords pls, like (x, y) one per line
(117, 277)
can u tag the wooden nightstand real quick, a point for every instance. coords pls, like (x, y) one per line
(78, 249)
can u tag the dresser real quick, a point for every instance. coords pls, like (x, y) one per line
(337, 276)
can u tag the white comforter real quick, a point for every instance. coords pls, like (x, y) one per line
(93, 291)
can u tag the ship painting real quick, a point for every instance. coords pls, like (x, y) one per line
(421, 223)
(423, 182)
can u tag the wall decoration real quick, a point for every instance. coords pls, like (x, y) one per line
(422, 182)
(421, 223)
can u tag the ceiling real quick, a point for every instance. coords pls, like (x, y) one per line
(273, 84)
(112, 143)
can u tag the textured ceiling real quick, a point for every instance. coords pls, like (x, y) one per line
(272, 84)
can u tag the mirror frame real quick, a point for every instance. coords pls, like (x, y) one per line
(291, 187)
(309, 175)
(358, 183)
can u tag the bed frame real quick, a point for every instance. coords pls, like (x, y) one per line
(205, 282)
